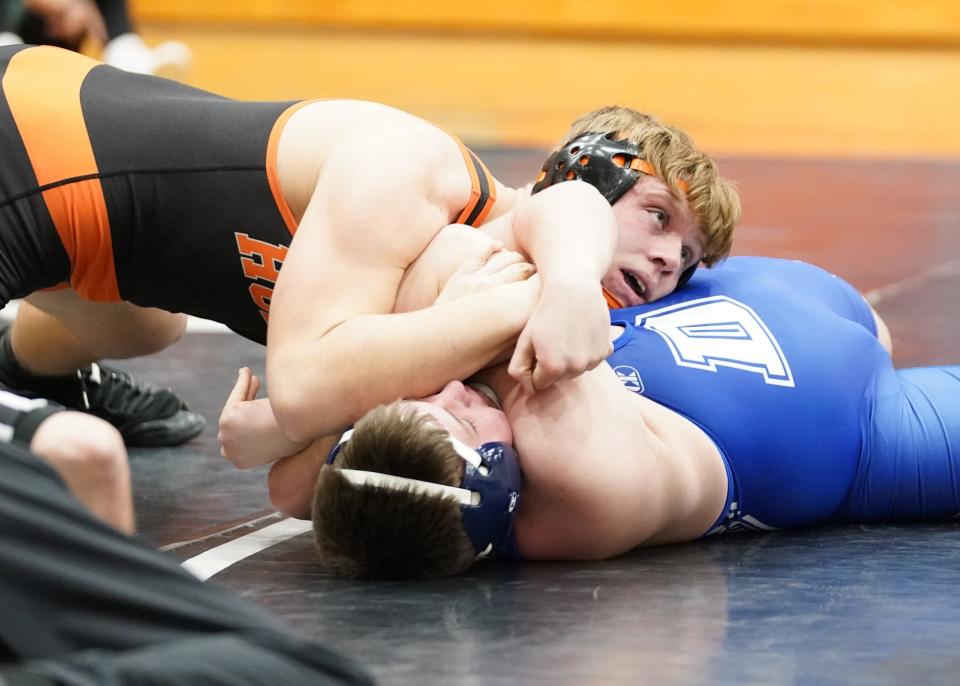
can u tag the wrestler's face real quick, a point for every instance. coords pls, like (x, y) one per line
(658, 239)
(466, 414)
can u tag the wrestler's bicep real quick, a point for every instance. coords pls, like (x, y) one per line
(601, 487)
(292, 480)
(324, 282)
(364, 225)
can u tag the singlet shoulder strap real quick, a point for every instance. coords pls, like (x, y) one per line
(483, 188)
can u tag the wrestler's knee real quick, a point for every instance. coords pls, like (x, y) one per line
(83, 447)
(155, 331)
(114, 329)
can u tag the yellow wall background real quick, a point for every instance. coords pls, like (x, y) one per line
(774, 77)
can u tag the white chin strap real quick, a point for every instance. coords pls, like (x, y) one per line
(462, 496)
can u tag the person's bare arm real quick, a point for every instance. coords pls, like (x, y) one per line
(248, 433)
(333, 350)
(292, 480)
(606, 470)
(569, 231)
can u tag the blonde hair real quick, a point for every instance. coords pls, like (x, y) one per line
(675, 159)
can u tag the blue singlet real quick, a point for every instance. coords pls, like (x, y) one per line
(778, 362)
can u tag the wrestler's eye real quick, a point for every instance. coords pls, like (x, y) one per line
(659, 216)
(685, 254)
(467, 424)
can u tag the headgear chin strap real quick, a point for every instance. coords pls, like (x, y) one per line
(608, 164)
(489, 493)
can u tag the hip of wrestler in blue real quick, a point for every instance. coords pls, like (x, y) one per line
(779, 363)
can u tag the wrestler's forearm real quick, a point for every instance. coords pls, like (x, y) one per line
(318, 387)
(293, 479)
(569, 232)
(250, 435)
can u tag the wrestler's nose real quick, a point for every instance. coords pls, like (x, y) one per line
(453, 393)
(666, 254)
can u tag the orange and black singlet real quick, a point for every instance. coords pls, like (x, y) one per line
(136, 188)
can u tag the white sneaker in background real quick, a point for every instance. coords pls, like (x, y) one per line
(172, 59)
(130, 53)
(7, 38)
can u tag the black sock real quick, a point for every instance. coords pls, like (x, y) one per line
(12, 373)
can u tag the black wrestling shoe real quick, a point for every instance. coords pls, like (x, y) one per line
(145, 415)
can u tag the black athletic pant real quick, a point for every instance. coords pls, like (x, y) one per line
(116, 17)
(81, 604)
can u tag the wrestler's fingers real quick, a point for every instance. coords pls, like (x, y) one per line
(546, 375)
(515, 272)
(254, 387)
(521, 365)
(478, 260)
(240, 389)
(501, 260)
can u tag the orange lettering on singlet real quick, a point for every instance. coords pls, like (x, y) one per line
(271, 257)
(261, 295)
(260, 261)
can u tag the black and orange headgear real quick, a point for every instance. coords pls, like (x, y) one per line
(609, 164)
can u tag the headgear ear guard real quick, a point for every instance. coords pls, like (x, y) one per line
(607, 163)
(489, 493)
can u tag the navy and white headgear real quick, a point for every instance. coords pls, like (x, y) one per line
(609, 164)
(488, 495)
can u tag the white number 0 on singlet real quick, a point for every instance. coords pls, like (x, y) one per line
(719, 331)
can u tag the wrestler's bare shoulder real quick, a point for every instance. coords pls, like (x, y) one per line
(329, 122)
(645, 475)
(364, 134)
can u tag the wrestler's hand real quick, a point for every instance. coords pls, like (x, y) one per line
(70, 21)
(568, 333)
(249, 434)
(487, 268)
